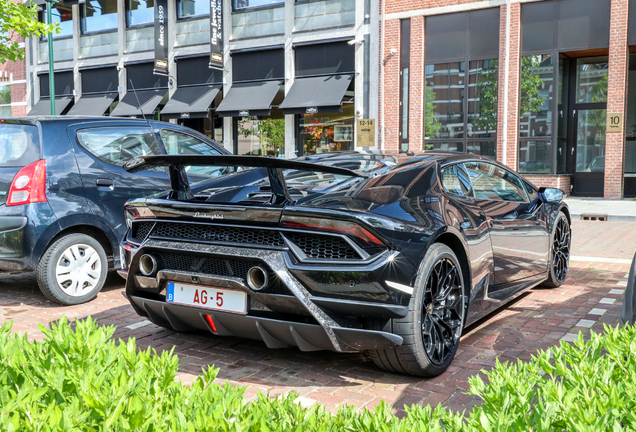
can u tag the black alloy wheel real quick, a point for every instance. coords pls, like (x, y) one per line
(559, 252)
(442, 311)
(434, 323)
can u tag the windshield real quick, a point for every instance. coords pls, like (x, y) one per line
(19, 145)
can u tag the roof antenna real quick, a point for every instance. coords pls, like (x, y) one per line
(137, 97)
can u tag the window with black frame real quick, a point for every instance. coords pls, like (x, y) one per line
(461, 107)
(192, 8)
(537, 91)
(140, 12)
(462, 82)
(247, 4)
(62, 15)
(98, 15)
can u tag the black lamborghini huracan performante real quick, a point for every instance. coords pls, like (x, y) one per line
(346, 251)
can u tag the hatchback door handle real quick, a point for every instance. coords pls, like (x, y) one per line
(105, 182)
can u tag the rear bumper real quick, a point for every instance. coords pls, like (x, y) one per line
(274, 333)
(13, 254)
(293, 317)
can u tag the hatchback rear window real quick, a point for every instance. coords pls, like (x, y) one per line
(19, 145)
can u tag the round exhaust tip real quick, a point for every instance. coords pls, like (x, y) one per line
(148, 265)
(257, 278)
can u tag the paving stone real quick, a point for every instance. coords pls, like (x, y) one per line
(585, 323)
(607, 301)
(597, 311)
(616, 291)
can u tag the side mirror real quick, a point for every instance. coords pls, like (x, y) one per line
(551, 195)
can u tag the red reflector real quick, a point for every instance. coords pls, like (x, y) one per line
(208, 318)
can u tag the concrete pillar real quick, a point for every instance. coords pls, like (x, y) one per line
(616, 99)
(290, 73)
(227, 72)
(172, 37)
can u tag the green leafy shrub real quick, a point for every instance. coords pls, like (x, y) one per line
(81, 380)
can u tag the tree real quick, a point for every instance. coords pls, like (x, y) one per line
(19, 19)
(431, 125)
(270, 133)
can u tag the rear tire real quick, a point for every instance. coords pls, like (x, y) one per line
(560, 245)
(435, 320)
(72, 270)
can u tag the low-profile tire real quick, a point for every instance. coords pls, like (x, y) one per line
(437, 312)
(72, 270)
(560, 246)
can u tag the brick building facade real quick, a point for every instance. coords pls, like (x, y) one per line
(530, 83)
(13, 88)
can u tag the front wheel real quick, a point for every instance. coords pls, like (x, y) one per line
(435, 320)
(559, 252)
(72, 270)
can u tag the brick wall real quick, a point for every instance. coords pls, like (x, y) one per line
(392, 86)
(616, 98)
(508, 137)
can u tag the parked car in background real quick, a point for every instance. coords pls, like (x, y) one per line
(63, 189)
(393, 255)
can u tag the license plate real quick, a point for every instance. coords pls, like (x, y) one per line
(207, 297)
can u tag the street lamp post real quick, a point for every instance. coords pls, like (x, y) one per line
(49, 21)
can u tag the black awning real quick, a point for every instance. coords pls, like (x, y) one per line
(141, 102)
(93, 104)
(43, 107)
(190, 102)
(249, 99)
(316, 94)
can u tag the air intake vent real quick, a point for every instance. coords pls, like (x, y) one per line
(317, 246)
(221, 234)
(140, 231)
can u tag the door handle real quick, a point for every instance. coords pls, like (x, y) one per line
(498, 224)
(104, 182)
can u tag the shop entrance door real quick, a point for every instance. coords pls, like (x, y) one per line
(588, 116)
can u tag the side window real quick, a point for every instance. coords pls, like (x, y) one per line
(117, 145)
(494, 183)
(531, 191)
(178, 143)
(456, 180)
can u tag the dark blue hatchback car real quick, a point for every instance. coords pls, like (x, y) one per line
(63, 189)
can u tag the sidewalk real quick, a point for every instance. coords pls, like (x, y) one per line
(616, 210)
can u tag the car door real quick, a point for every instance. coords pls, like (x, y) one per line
(518, 234)
(101, 150)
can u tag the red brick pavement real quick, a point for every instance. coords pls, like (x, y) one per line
(538, 320)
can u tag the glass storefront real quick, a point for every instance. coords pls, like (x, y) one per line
(210, 127)
(5, 100)
(326, 132)
(261, 135)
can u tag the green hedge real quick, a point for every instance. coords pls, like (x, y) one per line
(81, 380)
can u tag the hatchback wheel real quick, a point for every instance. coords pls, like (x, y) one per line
(435, 321)
(73, 269)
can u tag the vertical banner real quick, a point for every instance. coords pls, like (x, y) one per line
(216, 34)
(161, 38)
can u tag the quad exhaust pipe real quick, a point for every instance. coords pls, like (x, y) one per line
(258, 278)
(148, 265)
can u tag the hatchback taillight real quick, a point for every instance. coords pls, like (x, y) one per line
(29, 185)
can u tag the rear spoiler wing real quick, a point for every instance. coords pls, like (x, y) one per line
(181, 187)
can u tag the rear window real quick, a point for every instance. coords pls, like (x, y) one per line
(19, 145)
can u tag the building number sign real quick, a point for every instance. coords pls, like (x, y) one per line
(614, 122)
